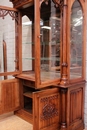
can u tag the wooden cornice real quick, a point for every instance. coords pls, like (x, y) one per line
(21, 3)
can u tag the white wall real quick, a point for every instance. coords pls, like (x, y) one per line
(6, 3)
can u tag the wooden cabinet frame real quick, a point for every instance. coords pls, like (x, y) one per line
(16, 15)
(50, 104)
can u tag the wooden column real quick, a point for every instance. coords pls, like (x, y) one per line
(64, 45)
(18, 42)
(5, 58)
(63, 108)
(37, 42)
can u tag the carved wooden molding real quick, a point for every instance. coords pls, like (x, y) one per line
(50, 109)
(4, 13)
(58, 3)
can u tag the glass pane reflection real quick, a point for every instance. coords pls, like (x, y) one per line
(50, 41)
(76, 40)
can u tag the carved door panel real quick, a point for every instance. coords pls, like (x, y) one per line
(9, 95)
(46, 109)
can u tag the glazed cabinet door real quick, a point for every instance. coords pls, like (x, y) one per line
(9, 95)
(46, 109)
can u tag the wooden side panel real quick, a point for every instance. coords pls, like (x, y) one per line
(76, 98)
(75, 109)
(9, 95)
(46, 110)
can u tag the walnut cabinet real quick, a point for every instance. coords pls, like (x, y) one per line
(42, 62)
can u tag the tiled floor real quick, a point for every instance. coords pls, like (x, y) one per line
(12, 122)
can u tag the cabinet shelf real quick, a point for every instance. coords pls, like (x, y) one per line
(28, 94)
(42, 43)
(27, 43)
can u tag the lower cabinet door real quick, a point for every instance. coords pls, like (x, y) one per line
(46, 109)
(9, 95)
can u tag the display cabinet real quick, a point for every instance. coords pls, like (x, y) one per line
(48, 46)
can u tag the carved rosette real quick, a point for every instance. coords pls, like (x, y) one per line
(4, 13)
(50, 108)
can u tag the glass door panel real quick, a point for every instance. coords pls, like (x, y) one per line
(76, 41)
(9, 42)
(50, 41)
(28, 58)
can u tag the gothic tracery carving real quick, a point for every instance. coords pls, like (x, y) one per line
(50, 108)
(4, 13)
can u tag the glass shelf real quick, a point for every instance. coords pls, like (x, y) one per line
(49, 43)
(49, 59)
(27, 43)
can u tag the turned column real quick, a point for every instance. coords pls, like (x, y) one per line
(64, 45)
(63, 108)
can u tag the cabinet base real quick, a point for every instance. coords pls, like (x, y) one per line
(24, 115)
